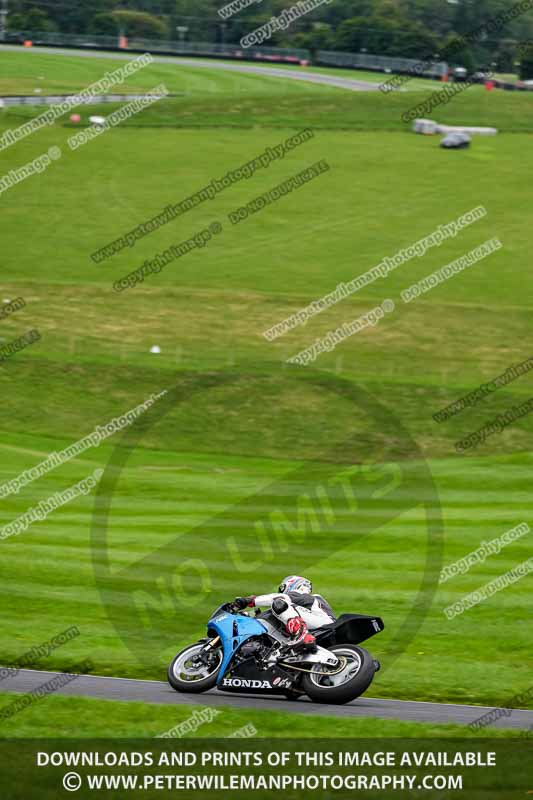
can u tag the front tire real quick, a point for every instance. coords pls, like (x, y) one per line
(187, 673)
(343, 686)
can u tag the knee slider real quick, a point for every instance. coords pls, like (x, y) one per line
(279, 605)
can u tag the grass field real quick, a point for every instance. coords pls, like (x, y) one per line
(23, 75)
(218, 98)
(141, 720)
(213, 456)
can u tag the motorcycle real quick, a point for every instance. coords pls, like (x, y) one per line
(249, 653)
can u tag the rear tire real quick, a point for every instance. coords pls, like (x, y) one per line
(354, 686)
(195, 683)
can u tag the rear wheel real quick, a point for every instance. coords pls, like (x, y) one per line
(348, 680)
(194, 670)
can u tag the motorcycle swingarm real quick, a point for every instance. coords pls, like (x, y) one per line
(321, 656)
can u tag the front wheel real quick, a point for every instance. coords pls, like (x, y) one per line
(346, 681)
(195, 669)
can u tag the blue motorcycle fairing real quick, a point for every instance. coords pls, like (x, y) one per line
(223, 624)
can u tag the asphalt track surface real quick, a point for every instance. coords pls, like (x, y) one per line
(131, 690)
(272, 72)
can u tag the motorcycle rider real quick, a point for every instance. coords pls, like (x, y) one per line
(296, 607)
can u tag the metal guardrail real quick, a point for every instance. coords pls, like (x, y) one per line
(331, 58)
(379, 63)
(52, 99)
(208, 49)
(232, 51)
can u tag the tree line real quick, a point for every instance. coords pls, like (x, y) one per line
(408, 28)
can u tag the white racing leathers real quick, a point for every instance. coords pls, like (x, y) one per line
(312, 608)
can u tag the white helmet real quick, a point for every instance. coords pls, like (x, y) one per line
(295, 583)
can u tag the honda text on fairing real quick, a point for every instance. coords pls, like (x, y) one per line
(246, 652)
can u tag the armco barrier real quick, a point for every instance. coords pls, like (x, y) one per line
(366, 61)
(375, 63)
(205, 49)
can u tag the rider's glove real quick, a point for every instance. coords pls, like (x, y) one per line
(244, 602)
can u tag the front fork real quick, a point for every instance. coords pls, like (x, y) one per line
(208, 649)
(203, 656)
